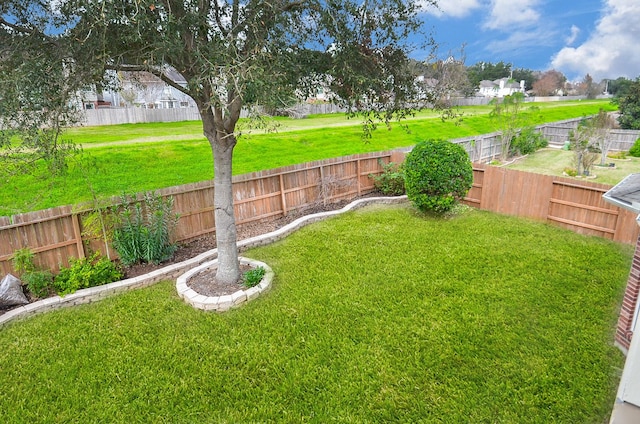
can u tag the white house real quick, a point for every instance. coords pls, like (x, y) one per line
(139, 89)
(500, 88)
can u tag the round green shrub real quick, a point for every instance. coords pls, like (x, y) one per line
(635, 149)
(437, 175)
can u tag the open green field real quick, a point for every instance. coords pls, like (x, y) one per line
(143, 157)
(380, 315)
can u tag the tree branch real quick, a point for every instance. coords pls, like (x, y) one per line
(30, 31)
(154, 71)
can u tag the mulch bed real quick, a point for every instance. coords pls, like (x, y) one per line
(203, 282)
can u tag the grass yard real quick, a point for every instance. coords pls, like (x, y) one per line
(379, 315)
(141, 157)
(553, 162)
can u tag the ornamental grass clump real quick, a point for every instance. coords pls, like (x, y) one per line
(438, 174)
(144, 230)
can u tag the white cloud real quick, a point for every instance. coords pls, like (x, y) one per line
(520, 41)
(453, 8)
(575, 31)
(507, 13)
(612, 50)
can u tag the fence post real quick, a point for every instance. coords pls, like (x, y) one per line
(358, 176)
(77, 234)
(282, 196)
(322, 190)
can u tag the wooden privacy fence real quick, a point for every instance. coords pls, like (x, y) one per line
(558, 132)
(56, 235)
(569, 203)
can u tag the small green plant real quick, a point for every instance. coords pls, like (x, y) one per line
(391, 181)
(253, 277)
(38, 282)
(618, 155)
(144, 229)
(437, 175)
(571, 172)
(635, 149)
(86, 272)
(23, 261)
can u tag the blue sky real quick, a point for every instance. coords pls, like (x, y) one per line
(599, 37)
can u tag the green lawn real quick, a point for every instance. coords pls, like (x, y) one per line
(380, 315)
(143, 157)
(554, 161)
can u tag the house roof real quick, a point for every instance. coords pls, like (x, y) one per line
(500, 83)
(626, 193)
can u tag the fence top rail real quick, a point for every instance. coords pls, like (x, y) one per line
(29, 218)
(574, 185)
(314, 164)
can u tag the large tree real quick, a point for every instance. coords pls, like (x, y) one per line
(629, 105)
(619, 86)
(231, 53)
(549, 83)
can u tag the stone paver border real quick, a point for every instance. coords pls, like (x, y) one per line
(222, 303)
(174, 271)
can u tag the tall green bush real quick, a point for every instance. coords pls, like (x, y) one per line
(438, 174)
(528, 140)
(635, 149)
(144, 230)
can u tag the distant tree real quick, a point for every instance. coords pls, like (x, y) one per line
(549, 83)
(619, 86)
(507, 113)
(526, 75)
(603, 122)
(629, 106)
(445, 77)
(230, 54)
(585, 141)
(588, 87)
(492, 71)
(488, 71)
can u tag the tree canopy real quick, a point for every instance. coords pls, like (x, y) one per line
(492, 71)
(629, 106)
(549, 83)
(232, 54)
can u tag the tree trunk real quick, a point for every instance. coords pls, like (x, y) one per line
(226, 234)
(222, 145)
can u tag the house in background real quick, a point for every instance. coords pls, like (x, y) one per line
(501, 87)
(139, 89)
